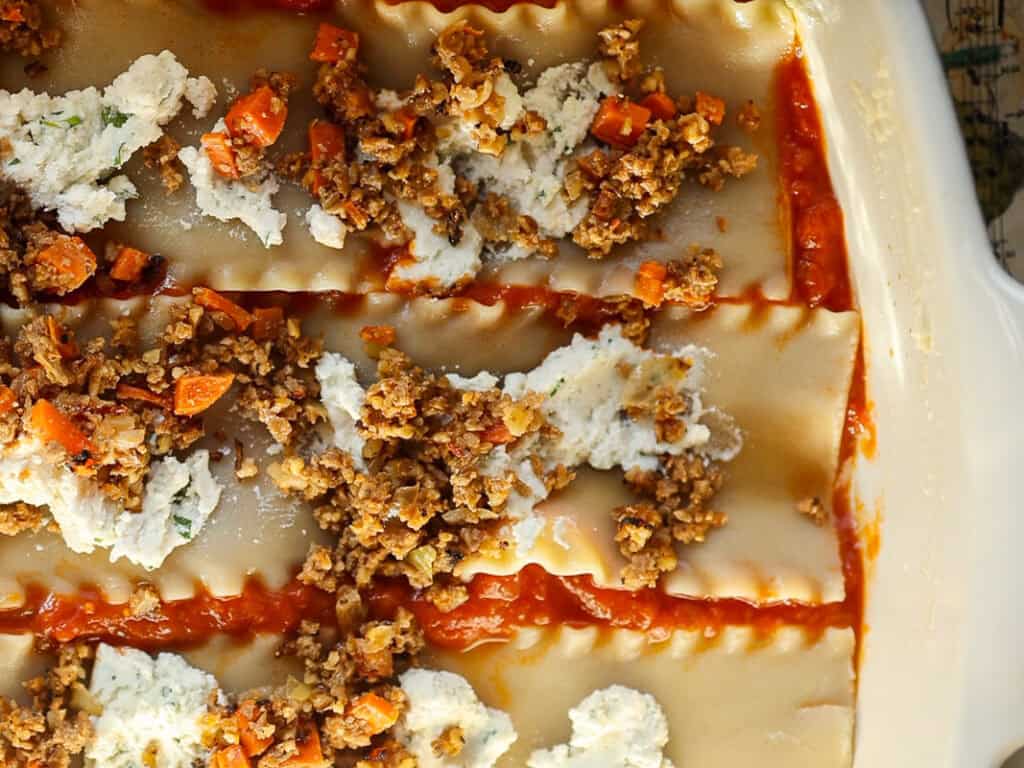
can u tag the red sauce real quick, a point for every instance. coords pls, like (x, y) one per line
(292, 6)
(498, 6)
(820, 275)
(86, 615)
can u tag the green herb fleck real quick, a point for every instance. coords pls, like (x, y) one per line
(50, 123)
(117, 157)
(558, 386)
(184, 526)
(73, 121)
(15, 161)
(113, 116)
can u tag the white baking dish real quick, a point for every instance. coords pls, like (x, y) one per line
(942, 671)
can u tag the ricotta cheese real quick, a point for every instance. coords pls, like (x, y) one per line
(86, 517)
(229, 199)
(587, 395)
(438, 700)
(481, 382)
(616, 727)
(568, 97)
(326, 229)
(437, 261)
(180, 497)
(148, 704)
(65, 150)
(343, 398)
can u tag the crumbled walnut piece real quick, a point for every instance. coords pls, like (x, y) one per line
(813, 508)
(18, 517)
(692, 281)
(620, 44)
(450, 742)
(749, 117)
(22, 30)
(162, 156)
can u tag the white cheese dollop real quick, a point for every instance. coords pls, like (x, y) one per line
(228, 199)
(180, 497)
(587, 392)
(438, 261)
(64, 149)
(481, 382)
(86, 517)
(438, 700)
(616, 727)
(147, 702)
(343, 397)
(326, 229)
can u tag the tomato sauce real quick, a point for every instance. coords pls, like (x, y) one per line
(292, 6)
(819, 264)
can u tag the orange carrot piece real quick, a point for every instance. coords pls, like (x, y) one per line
(266, 321)
(69, 256)
(408, 120)
(205, 297)
(310, 754)
(230, 757)
(13, 14)
(258, 117)
(326, 142)
(128, 392)
(496, 434)
(129, 264)
(376, 711)
(253, 745)
(61, 338)
(649, 285)
(52, 426)
(7, 400)
(383, 335)
(334, 44)
(619, 121)
(195, 393)
(221, 154)
(661, 105)
(711, 108)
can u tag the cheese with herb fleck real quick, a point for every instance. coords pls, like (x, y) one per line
(152, 710)
(438, 261)
(65, 150)
(228, 199)
(439, 700)
(180, 497)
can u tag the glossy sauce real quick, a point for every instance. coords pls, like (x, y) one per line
(818, 246)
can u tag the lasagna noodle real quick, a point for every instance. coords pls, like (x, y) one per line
(783, 373)
(731, 50)
(732, 699)
(255, 529)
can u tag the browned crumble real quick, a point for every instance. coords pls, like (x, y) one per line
(450, 742)
(54, 728)
(162, 156)
(813, 509)
(693, 280)
(22, 29)
(674, 509)
(722, 223)
(620, 44)
(19, 517)
(144, 599)
(748, 118)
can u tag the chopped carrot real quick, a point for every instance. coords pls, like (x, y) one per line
(649, 285)
(620, 122)
(378, 334)
(711, 108)
(61, 338)
(70, 257)
(661, 105)
(13, 14)
(266, 321)
(376, 711)
(248, 712)
(52, 426)
(129, 264)
(205, 297)
(128, 392)
(309, 753)
(408, 120)
(326, 142)
(258, 117)
(230, 757)
(195, 393)
(496, 434)
(221, 154)
(334, 44)
(7, 400)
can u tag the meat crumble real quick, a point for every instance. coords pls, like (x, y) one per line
(23, 30)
